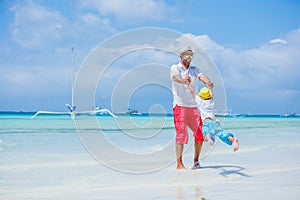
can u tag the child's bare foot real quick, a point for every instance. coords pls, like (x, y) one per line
(211, 142)
(235, 144)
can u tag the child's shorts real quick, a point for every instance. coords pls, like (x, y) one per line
(214, 128)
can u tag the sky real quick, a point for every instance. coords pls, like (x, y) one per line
(254, 44)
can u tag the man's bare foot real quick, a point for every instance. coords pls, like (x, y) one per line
(235, 144)
(180, 166)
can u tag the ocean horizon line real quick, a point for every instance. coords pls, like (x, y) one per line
(236, 115)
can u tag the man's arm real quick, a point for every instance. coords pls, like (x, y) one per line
(206, 81)
(178, 79)
(175, 76)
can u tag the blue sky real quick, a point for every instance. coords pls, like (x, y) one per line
(254, 44)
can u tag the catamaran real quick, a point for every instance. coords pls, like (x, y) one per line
(72, 108)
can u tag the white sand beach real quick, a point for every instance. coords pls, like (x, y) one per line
(56, 166)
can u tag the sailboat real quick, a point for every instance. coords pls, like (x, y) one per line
(72, 108)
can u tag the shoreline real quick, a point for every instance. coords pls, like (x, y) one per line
(165, 114)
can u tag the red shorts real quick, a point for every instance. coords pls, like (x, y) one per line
(187, 117)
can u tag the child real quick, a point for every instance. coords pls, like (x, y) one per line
(211, 127)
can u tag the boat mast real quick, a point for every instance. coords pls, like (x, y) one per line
(72, 77)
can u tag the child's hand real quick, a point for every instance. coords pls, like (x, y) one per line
(211, 142)
(187, 80)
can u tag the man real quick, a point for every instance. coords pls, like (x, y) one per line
(185, 109)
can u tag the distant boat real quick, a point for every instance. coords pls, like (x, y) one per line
(226, 113)
(287, 114)
(72, 108)
(73, 113)
(132, 112)
(223, 115)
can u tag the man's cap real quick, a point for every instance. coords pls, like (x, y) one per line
(186, 49)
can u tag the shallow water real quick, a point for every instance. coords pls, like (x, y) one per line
(45, 158)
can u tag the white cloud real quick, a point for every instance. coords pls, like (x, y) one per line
(267, 66)
(130, 11)
(35, 25)
(91, 25)
(253, 74)
(206, 42)
(277, 40)
(20, 80)
(268, 70)
(268, 74)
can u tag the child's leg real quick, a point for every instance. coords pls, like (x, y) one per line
(206, 130)
(211, 142)
(228, 138)
(235, 142)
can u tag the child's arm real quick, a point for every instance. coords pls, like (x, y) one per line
(210, 90)
(192, 90)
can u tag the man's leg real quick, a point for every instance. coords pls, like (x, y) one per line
(194, 122)
(198, 147)
(179, 151)
(181, 134)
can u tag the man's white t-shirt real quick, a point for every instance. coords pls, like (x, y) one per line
(181, 93)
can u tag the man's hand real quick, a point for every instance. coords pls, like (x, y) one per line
(187, 80)
(210, 84)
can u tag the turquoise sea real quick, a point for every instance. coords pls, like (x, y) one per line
(137, 133)
(48, 158)
(14, 123)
